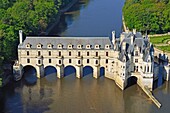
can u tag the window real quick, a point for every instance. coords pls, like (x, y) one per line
(79, 53)
(88, 54)
(69, 60)
(49, 53)
(106, 61)
(69, 53)
(96, 53)
(28, 53)
(136, 53)
(49, 60)
(88, 61)
(107, 54)
(59, 61)
(96, 61)
(136, 60)
(39, 53)
(59, 53)
(79, 62)
(39, 62)
(28, 60)
(148, 68)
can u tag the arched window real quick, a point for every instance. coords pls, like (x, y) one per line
(49, 53)
(79, 54)
(79, 62)
(97, 62)
(59, 61)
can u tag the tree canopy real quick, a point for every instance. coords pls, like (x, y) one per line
(31, 16)
(151, 16)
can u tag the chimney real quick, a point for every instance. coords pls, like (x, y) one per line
(132, 39)
(20, 37)
(113, 37)
(134, 31)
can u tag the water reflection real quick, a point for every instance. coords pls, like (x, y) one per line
(91, 18)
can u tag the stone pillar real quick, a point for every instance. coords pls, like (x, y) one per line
(96, 71)
(60, 71)
(79, 71)
(40, 71)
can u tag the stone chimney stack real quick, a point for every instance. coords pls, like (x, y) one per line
(132, 39)
(113, 37)
(134, 31)
(20, 37)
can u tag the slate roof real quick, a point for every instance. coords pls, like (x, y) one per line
(102, 41)
(139, 41)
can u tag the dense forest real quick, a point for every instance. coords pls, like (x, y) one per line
(147, 16)
(31, 16)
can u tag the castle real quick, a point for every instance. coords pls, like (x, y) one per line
(131, 55)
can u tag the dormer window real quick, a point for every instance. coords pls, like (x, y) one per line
(39, 45)
(79, 46)
(60, 46)
(88, 46)
(107, 46)
(50, 46)
(28, 45)
(97, 46)
(70, 46)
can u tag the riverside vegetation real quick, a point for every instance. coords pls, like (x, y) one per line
(32, 16)
(151, 17)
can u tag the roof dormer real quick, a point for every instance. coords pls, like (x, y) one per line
(107, 46)
(28, 45)
(88, 46)
(97, 46)
(50, 46)
(70, 46)
(60, 46)
(79, 46)
(39, 45)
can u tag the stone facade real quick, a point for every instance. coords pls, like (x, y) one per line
(124, 57)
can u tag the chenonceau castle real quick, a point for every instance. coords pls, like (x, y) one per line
(131, 55)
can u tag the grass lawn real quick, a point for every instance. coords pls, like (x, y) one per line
(161, 40)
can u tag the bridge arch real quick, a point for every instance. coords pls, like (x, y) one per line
(87, 70)
(69, 70)
(50, 69)
(102, 71)
(29, 74)
(132, 80)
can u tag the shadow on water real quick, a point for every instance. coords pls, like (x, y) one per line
(160, 72)
(30, 75)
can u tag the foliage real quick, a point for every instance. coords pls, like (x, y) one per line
(151, 16)
(31, 16)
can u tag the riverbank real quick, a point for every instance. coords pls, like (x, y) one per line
(62, 11)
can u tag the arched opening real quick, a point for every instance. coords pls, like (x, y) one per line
(30, 74)
(50, 73)
(87, 70)
(69, 70)
(131, 81)
(102, 71)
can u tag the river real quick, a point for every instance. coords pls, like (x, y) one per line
(86, 95)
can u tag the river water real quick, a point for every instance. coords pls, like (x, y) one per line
(86, 95)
